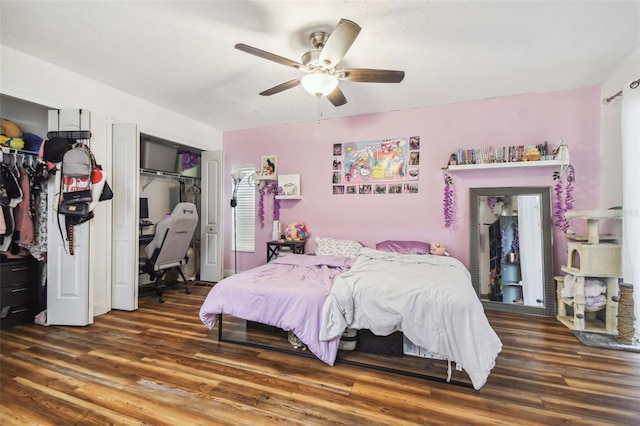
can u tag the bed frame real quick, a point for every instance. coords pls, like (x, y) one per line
(384, 364)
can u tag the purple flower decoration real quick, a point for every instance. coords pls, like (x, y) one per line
(503, 241)
(491, 202)
(515, 244)
(261, 208)
(563, 198)
(448, 200)
(270, 189)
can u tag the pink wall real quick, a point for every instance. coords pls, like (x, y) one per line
(306, 149)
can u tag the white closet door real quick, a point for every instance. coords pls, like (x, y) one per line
(211, 226)
(531, 255)
(125, 185)
(69, 290)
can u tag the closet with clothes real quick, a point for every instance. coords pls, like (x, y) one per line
(23, 224)
(40, 280)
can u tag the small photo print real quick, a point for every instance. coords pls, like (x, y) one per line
(365, 189)
(414, 158)
(338, 189)
(414, 173)
(337, 177)
(379, 189)
(351, 189)
(395, 188)
(411, 188)
(268, 165)
(414, 143)
(337, 163)
(337, 149)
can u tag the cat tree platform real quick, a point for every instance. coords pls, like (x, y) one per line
(593, 219)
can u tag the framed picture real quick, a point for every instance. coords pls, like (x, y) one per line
(269, 165)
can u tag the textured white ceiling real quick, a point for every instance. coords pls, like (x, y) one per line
(180, 54)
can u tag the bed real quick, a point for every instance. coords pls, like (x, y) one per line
(389, 289)
(429, 298)
(289, 293)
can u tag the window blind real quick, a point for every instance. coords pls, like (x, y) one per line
(244, 217)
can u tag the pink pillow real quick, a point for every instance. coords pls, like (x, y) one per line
(404, 247)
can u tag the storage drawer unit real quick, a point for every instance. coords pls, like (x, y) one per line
(18, 291)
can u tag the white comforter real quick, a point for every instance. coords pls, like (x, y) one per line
(429, 298)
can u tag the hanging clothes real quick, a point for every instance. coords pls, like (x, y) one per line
(10, 197)
(39, 247)
(23, 213)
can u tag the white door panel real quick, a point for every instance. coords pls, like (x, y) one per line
(125, 185)
(211, 264)
(69, 290)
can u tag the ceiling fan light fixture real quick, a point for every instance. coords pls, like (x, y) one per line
(319, 84)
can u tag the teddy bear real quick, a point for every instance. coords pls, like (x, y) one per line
(533, 154)
(438, 249)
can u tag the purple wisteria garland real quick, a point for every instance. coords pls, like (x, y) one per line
(515, 243)
(563, 197)
(503, 242)
(491, 202)
(448, 200)
(271, 188)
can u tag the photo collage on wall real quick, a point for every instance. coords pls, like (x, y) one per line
(389, 166)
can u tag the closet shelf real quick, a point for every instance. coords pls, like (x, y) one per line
(511, 165)
(158, 173)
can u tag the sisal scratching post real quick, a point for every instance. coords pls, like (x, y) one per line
(625, 315)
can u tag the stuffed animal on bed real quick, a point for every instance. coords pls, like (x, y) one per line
(438, 249)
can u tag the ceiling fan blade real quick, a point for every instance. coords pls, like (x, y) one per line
(269, 56)
(337, 97)
(340, 40)
(281, 87)
(364, 75)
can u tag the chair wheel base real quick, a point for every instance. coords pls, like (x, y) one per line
(188, 291)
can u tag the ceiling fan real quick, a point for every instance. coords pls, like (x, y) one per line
(320, 64)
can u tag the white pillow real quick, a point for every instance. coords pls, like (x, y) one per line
(333, 247)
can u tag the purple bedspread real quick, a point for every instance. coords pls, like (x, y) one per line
(289, 292)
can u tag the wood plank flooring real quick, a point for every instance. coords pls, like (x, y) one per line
(160, 365)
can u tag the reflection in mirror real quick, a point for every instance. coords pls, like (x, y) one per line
(511, 255)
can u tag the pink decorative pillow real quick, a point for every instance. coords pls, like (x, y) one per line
(404, 247)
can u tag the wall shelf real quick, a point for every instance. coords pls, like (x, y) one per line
(515, 164)
(290, 187)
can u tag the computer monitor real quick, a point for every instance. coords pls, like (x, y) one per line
(144, 208)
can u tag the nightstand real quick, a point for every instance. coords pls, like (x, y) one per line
(275, 247)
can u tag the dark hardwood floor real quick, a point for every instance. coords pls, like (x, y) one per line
(160, 365)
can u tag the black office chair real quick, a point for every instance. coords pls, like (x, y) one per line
(170, 244)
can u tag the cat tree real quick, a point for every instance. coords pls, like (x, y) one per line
(597, 256)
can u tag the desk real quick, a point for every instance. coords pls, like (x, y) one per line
(274, 248)
(145, 239)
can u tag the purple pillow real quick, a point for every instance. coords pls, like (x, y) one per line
(404, 247)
